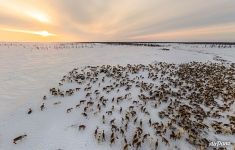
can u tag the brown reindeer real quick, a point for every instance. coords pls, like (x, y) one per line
(165, 141)
(173, 135)
(134, 141)
(138, 145)
(126, 146)
(145, 136)
(112, 141)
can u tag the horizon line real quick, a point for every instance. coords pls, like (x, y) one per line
(120, 42)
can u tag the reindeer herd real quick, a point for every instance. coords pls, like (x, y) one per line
(151, 106)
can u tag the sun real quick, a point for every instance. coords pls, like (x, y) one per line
(41, 33)
(45, 33)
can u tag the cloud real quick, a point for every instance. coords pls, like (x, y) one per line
(122, 20)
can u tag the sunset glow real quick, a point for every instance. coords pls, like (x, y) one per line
(155, 20)
(40, 17)
(41, 33)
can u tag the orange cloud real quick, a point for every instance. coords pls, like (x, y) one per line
(115, 20)
(188, 33)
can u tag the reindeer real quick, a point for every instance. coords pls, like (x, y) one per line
(126, 126)
(57, 103)
(85, 109)
(135, 102)
(138, 145)
(141, 122)
(135, 120)
(165, 141)
(112, 140)
(96, 131)
(156, 144)
(90, 103)
(114, 127)
(82, 127)
(112, 121)
(109, 112)
(131, 107)
(88, 94)
(103, 136)
(126, 146)
(145, 136)
(99, 137)
(99, 107)
(69, 110)
(84, 114)
(42, 107)
(150, 122)
(120, 111)
(125, 140)
(15, 140)
(103, 119)
(122, 132)
(82, 101)
(29, 111)
(172, 135)
(134, 141)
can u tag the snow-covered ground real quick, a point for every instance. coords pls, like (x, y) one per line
(29, 70)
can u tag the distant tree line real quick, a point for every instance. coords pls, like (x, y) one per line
(159, 44)
(63, 45)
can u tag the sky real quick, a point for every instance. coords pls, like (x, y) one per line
(117, 20)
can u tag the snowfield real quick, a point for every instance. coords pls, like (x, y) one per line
(103, 96)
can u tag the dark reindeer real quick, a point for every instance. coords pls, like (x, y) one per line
(82, 127)
(19, 138)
